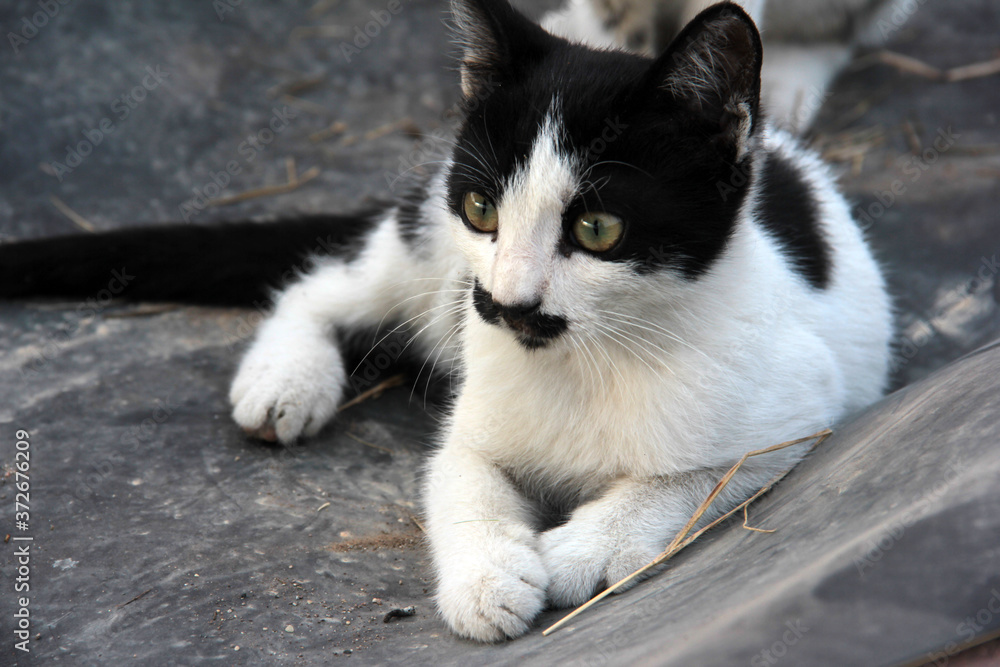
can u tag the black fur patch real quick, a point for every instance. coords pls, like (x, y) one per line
(411, 224)
(233, 264)
(533, 328)
(788, 212)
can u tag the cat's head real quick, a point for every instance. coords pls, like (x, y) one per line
(582, 178)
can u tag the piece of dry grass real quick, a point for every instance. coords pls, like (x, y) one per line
(294, 182)
(295, 86)
(913, 137)
(911, 65)
(369, 444)
(143, 310)
(682, 539)
(322, 7)
(852, 147)
(137, 597)
(380, 542)
(416, 522)
(75, 217)
(305, 105)
(406, 125)
(974, 71)
(333, 130)
(746, 523)
(981, 149)
(374, 392)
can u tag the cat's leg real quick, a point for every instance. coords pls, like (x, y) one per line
(491, 582)
(609, 538)
(292, 378)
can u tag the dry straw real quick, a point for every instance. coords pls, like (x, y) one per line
(682, 539)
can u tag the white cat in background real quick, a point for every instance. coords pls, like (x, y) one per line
(807, 42)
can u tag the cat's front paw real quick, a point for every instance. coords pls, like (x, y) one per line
(287, 387)
(582, 560)
(496, 595)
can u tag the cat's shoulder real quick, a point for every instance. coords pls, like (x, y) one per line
(797, 203)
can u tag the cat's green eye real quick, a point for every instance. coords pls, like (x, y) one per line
(480, 212)
(598, 232)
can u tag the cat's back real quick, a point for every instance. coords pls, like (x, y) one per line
(835, 284)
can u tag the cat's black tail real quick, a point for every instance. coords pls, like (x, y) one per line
(226, 264)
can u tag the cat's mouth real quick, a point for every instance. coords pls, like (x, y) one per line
(532, 328)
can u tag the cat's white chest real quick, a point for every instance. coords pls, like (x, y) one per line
(572, 419)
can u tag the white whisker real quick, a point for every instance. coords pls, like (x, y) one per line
(402, 324)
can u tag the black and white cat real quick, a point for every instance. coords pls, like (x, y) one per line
(644, 281)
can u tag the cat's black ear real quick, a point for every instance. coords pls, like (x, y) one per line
(713, 69)
(496, 40)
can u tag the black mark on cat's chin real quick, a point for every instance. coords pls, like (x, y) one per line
(532, 328)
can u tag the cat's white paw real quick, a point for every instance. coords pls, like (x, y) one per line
(495, 595)
(582, 560)
(287, 387)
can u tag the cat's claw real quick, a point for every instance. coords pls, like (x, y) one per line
(498, 596)
(580, 563)
(284, 391)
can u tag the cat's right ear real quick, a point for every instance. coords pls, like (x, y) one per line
(496, 42)
(713, 70)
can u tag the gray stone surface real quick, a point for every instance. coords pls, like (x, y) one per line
(164, 536)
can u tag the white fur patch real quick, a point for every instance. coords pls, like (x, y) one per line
(530, 211)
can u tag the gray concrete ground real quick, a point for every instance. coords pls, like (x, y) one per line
(162, 535)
